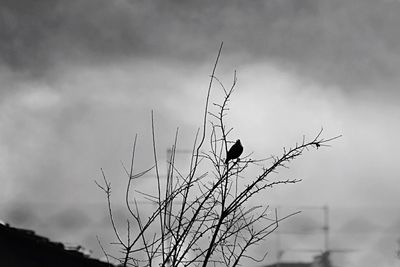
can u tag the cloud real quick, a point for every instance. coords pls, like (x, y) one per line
(57, 134)
(353, 45)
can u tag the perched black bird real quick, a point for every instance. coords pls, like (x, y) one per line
(234, 152)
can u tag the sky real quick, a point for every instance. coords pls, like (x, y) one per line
(79, 79)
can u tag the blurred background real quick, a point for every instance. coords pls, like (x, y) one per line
(80, 78)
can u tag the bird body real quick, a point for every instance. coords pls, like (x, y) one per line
(234, 152)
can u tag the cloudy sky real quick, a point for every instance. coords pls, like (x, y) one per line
(79, 79)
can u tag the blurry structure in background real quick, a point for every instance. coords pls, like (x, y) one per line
(20, 247)
(322, 260)
(319, 261)
(321, 255)
(292, 264)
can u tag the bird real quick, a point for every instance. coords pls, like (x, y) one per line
(234, 152)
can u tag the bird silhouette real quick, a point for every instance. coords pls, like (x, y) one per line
(234, 152)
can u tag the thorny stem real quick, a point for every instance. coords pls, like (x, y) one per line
(206, 110)
(158, 183)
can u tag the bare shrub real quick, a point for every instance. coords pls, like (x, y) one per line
(202, 218)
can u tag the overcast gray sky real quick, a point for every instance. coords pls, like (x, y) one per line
(79, 79)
